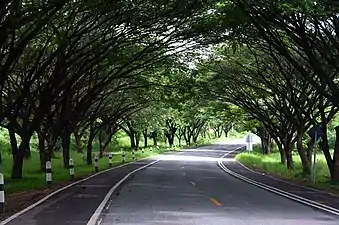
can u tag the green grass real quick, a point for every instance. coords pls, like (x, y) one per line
(35, 179)
(271, 165)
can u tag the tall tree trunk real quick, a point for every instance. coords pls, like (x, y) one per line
(137, 141)
(154, 137)
(335, 168)
(288, 153)
(28, 152)
(132, 139)
(41, 145)
(179, 140)
(282, 153)
(226, 131)
(78, 143)
(103, 148)
(326, 150)
(302, 153)
(89, 149)
(18, 157)
(66, 142)
(144, 133)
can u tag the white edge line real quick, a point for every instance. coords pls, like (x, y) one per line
(280, 192)
(95, 217)
(9, 219)
(285, 181)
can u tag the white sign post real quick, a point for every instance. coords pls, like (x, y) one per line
(249, 143)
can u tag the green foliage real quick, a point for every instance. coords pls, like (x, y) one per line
(270, 164)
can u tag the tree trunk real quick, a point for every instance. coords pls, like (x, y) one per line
(288, 153)
(41, 145)
(89, 149)
(335, 168)
(103, 148)
(137, 141)
(282, 153)
(144, 133)
(154, 137)
(226, 130)
(78, 143)
(28, 152)
(132, 139)
(18, 157)
(326, 149)
(66, 142)
(303, 157)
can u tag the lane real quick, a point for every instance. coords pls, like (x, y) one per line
(191, 189)
(76, 205)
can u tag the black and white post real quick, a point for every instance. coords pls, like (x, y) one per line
(133, 155)
(71, 169)
(96, 163)
(123, 157)
(110, 159)
(2, 193)
(48, 172)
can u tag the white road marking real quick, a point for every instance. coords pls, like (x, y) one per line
(16, 215)
(277, 191)
(193, 183)
(94, 219)
(285, 181)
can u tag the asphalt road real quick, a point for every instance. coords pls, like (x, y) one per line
(185, 188)
(190, 189)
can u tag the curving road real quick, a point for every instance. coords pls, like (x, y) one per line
(190, 189)
(183, 188)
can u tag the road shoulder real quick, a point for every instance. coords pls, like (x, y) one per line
(295, 190)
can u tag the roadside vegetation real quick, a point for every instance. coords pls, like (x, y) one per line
(91, 77)
(270, 164)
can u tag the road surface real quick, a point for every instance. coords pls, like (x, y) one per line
(185, 188)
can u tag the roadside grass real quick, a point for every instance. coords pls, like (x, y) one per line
(270, 164)
(34, 179)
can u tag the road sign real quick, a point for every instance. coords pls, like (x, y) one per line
(249, 142)
(315, 133)
(249, 138)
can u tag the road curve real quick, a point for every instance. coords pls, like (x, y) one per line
(190, 189)
(185, 188)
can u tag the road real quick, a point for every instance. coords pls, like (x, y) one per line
(185, 188)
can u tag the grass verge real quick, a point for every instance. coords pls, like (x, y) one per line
(35, 179)
(270, 164)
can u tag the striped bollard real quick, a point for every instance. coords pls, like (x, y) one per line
(110, 161)
(2, 194)
(142, 151)
(133, 155)
(151, 149)
(48, 172)
(71, 169)
(96, 163)
(123, 157)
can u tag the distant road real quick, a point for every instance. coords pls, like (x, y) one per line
(185, 188)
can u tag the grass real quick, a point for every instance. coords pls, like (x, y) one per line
(271, 164)
(34, 179)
